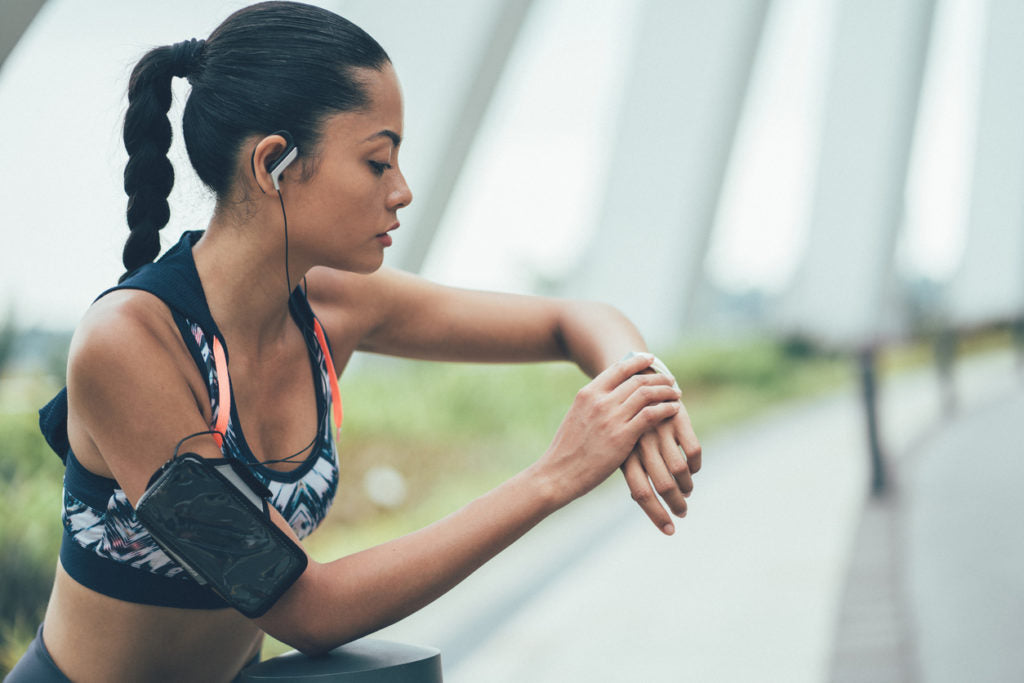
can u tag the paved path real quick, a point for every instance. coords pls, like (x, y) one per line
(935, 590)
(965, 555)
(757, 583)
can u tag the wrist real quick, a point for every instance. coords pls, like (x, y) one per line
(657, 366)
(544, 485)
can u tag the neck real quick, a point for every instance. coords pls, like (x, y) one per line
(243, 274)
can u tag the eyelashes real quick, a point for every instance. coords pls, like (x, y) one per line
(378, 167)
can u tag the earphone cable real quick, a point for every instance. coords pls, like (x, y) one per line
(287, 274)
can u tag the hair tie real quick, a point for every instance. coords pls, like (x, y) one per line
(185, 56)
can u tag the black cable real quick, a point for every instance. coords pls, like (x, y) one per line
(288, 281)
(287, 274)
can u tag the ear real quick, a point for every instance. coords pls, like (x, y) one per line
(270, 157)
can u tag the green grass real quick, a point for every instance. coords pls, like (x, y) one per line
(30, 530)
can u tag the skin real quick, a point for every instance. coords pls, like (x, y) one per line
(134, 392)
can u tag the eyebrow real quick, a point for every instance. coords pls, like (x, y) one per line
(395, 138)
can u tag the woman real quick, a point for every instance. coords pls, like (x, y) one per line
(294, 121)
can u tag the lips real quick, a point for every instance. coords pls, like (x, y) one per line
(384, 238)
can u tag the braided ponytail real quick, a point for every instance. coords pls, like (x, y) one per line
(149, 175)
(270, 66)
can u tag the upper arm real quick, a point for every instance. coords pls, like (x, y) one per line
(397, 313)
(129, 395)
(131, 401)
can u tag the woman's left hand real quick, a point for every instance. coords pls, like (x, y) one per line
(666, 457)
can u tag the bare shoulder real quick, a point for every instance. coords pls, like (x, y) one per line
(121, 325)
(341, 289)
(352, 305)
(132, 389)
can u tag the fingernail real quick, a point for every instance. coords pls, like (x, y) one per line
(669, 529)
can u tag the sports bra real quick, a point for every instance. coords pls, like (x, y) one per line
(104, 547)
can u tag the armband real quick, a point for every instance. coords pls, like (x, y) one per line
(212, 518)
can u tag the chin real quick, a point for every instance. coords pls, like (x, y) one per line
(363, 267)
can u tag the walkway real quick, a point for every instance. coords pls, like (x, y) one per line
(784, 570)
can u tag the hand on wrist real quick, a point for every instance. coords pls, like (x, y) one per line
(657, 366)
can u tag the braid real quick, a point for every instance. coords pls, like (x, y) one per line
(149, 175)
(269, 66)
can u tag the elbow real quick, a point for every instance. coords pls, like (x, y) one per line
(305, 620)
(302, 635)
(312, 646)
(309, 637)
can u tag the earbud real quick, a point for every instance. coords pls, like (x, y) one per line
(277, 165)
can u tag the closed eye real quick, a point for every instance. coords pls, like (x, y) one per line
(379, 167)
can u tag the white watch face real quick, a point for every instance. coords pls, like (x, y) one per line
(658, 366)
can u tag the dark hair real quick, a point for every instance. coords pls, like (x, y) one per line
(267, 67)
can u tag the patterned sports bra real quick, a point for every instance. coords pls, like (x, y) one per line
(104, 546)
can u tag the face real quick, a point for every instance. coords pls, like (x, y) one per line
(344, 214)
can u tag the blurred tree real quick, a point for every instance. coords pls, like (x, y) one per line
(8, 333)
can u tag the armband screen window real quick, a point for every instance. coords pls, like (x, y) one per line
(208, 516)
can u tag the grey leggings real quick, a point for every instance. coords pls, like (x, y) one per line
(36, 665)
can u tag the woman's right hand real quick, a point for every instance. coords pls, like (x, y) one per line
(604, 423)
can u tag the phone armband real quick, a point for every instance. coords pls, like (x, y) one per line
(212, 518)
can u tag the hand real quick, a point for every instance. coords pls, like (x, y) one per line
(604, 423)
(666, 456)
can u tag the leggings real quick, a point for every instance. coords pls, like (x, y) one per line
(37, 666)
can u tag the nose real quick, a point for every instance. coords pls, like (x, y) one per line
(401, 195)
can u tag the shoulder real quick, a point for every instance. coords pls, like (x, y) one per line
(126, 344)
(355, 304)
(121, 325)
(331, 287)
(133, 390)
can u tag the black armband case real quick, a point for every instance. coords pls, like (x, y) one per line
(212, 518)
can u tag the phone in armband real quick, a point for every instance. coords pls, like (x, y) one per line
(211, 516)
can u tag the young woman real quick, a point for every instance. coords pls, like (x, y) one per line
(294, 121)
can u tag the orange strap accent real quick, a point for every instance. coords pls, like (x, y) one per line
(223, 392)
(335, 392)
(224, 385)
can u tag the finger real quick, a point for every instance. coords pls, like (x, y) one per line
(650, 397)
(644, 393)
(650, 416)
(687, 439)
(618, 372)
(641, 492)
(674, 458)
(664, 483)
(636, 383)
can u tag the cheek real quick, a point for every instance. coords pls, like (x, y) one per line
(330, 201)
(342, 197)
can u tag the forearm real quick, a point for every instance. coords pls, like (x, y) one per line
(595, 335)
(345, 599)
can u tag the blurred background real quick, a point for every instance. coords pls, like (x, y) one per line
(811, 208)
